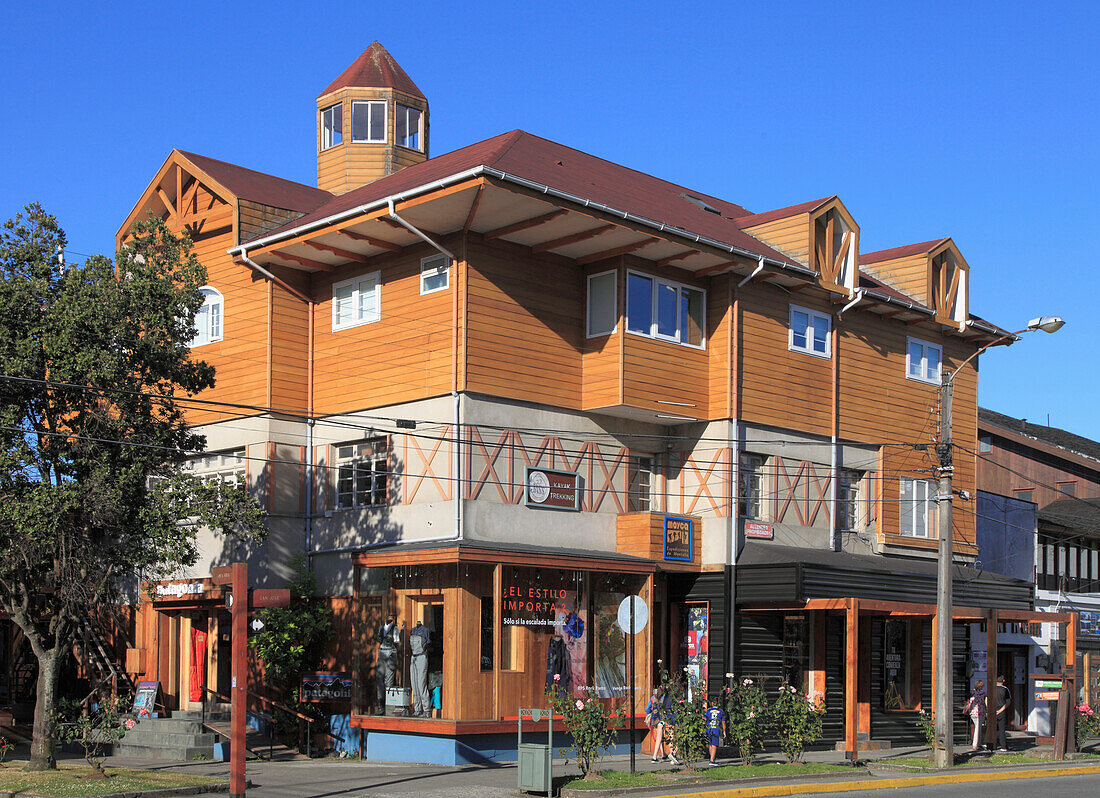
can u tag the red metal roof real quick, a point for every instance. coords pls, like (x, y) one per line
(375, 69)
(899, 252)
(571, 171)
(781, 213)
(260, 187)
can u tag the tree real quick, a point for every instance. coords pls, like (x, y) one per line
(94, 363)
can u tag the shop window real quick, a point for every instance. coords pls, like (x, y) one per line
(751, 479)
(847, 497)
(409, 133)
(917, 513)
(796, 652)
(809, 332)
(664, 310)
(362, 473)
(332, 126)
(368, 121)
(641, 484)
(695, 642)
(603, 313)
(895, 665)
(487, 633)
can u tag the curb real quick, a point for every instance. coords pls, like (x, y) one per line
(567, 792)
(163, 792)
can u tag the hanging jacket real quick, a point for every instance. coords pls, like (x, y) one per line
(557, 663)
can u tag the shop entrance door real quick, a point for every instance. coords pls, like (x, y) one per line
(430, 613)
(1012, 664)
(223, 681)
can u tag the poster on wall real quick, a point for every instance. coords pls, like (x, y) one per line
(695, 649)
(570, 624)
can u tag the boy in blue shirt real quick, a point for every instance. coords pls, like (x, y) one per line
(716, 730)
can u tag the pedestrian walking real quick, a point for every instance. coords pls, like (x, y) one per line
(975, 708)
(1004, 703)
(654, 719)
(716, 730)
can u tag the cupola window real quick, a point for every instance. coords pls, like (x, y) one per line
(332, 126)
(408, 127)
(368, 121)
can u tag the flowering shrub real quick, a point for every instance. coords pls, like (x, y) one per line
(747, 717)
(927, 723)
(6, 747)
(1088, 723)
(590, 725)
(93, 729)
(686, 725)
(797, 721)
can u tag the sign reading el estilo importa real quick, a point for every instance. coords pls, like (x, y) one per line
(527, 605)
(554, 490)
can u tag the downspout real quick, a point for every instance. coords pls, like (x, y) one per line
(415, 231)
(834, 458)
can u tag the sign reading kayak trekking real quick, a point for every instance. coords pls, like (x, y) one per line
(552, 490)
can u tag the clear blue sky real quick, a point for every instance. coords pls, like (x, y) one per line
(974, 120)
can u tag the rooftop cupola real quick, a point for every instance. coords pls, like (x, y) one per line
(371, 122)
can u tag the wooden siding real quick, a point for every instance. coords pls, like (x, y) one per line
(790, 235)
(642, 535)
(257, 218)
(602, 356)
(720, 347)
(1016, 463)
(912, 275)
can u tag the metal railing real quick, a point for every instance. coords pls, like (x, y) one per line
(271, 720)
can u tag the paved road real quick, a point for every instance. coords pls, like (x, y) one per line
(1060, 787)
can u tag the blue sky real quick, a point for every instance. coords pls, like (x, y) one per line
(974, 120)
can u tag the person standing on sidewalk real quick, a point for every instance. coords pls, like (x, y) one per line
(1004, 702)
(975, 708)
(716, 730)
(655, 721)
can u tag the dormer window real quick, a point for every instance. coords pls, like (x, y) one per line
(332, 126)
(409, 133)
(368, 121)
(949, 274)
(834, 249)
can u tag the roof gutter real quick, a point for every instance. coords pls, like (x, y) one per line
(479, 171)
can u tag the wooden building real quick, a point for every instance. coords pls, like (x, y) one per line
(520, 367)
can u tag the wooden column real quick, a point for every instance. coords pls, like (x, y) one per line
(851, 679)
(865, 677)
(498, 606)
(991, 679)
(239, 690)
(1071, 655)
(820, 643)
(935, 637)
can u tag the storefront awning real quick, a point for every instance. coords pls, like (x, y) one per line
(436, 552)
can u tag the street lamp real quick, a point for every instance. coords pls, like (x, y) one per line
(943, 752)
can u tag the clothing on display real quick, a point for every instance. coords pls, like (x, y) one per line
(557, 664)
(419, 639)
(388, 637)
(574, 625)
(198, 663)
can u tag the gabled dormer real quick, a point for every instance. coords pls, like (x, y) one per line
(934, 273)
(820, 234)
(371, 122)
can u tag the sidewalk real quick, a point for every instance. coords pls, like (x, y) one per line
(346, 778)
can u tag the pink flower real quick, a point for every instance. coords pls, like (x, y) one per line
(580, 704)
(557, 677)
(747, 682)
(130, 723)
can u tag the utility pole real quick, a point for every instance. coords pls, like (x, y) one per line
(944, 749)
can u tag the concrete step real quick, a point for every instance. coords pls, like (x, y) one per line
(211, 714)
(169, 739)
(168, 725)
(178, 753)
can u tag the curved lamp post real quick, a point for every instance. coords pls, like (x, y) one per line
(943, 752)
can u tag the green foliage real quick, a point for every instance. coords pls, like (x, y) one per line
(927, 723)
(94, 360)
(797, 721)
(747, 717)
(1088, 723)
(6, 747)
(686, 725)
(93, 730)
(591, 726)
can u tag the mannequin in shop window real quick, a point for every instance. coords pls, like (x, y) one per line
(419, 640)
(388, 638)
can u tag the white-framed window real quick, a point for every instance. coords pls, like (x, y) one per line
(332, 126)
(603, 311)
(409, 121)
(847, 498)
(923, 361)
(361, 473)
(368, 121)
(918, 515)
(208, 319)
(435, 274)
(750, 496)
(229, 467)
(809, 332)
(356, 301)
(640, 487)
(662, 309)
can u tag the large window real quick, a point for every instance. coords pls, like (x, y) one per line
(751, 483)
(357, 301)
(661, 309)
(361, 471)
(368, 121)
(208, 320)
(228, 467)
(332, 126)
(918, 508)
(434, 274)
(602, 311)
(809, 332)
(923, 361)
(409, 133)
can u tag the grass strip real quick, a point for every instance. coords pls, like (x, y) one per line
(617, 779)
(71, 780)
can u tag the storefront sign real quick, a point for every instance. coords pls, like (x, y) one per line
(554, 490)
(326, 687)
(1054, 684)
(754, 529)
(145, 699)
(266, 597)
(531, 606)
(679, 539)
(1046, 696)
(180, 590)
(221, 574)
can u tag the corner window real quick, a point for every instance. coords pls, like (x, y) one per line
(368, 121)
(408, 127)
(357, 301)
(332, 126)
(664, 310)
(602, 305)
(434, 274)
(361, 471)
(208, 319)
(917, 516)
(923, 361)
(751, 484)
(809, 332)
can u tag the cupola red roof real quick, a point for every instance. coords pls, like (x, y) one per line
(375, 69)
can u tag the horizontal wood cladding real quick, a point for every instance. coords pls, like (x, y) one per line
(404, 356)
(790, 235)
(525, 324)
(911, 275)
(719, 340)
(660, 371)
(643, 535)
(255, 218)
